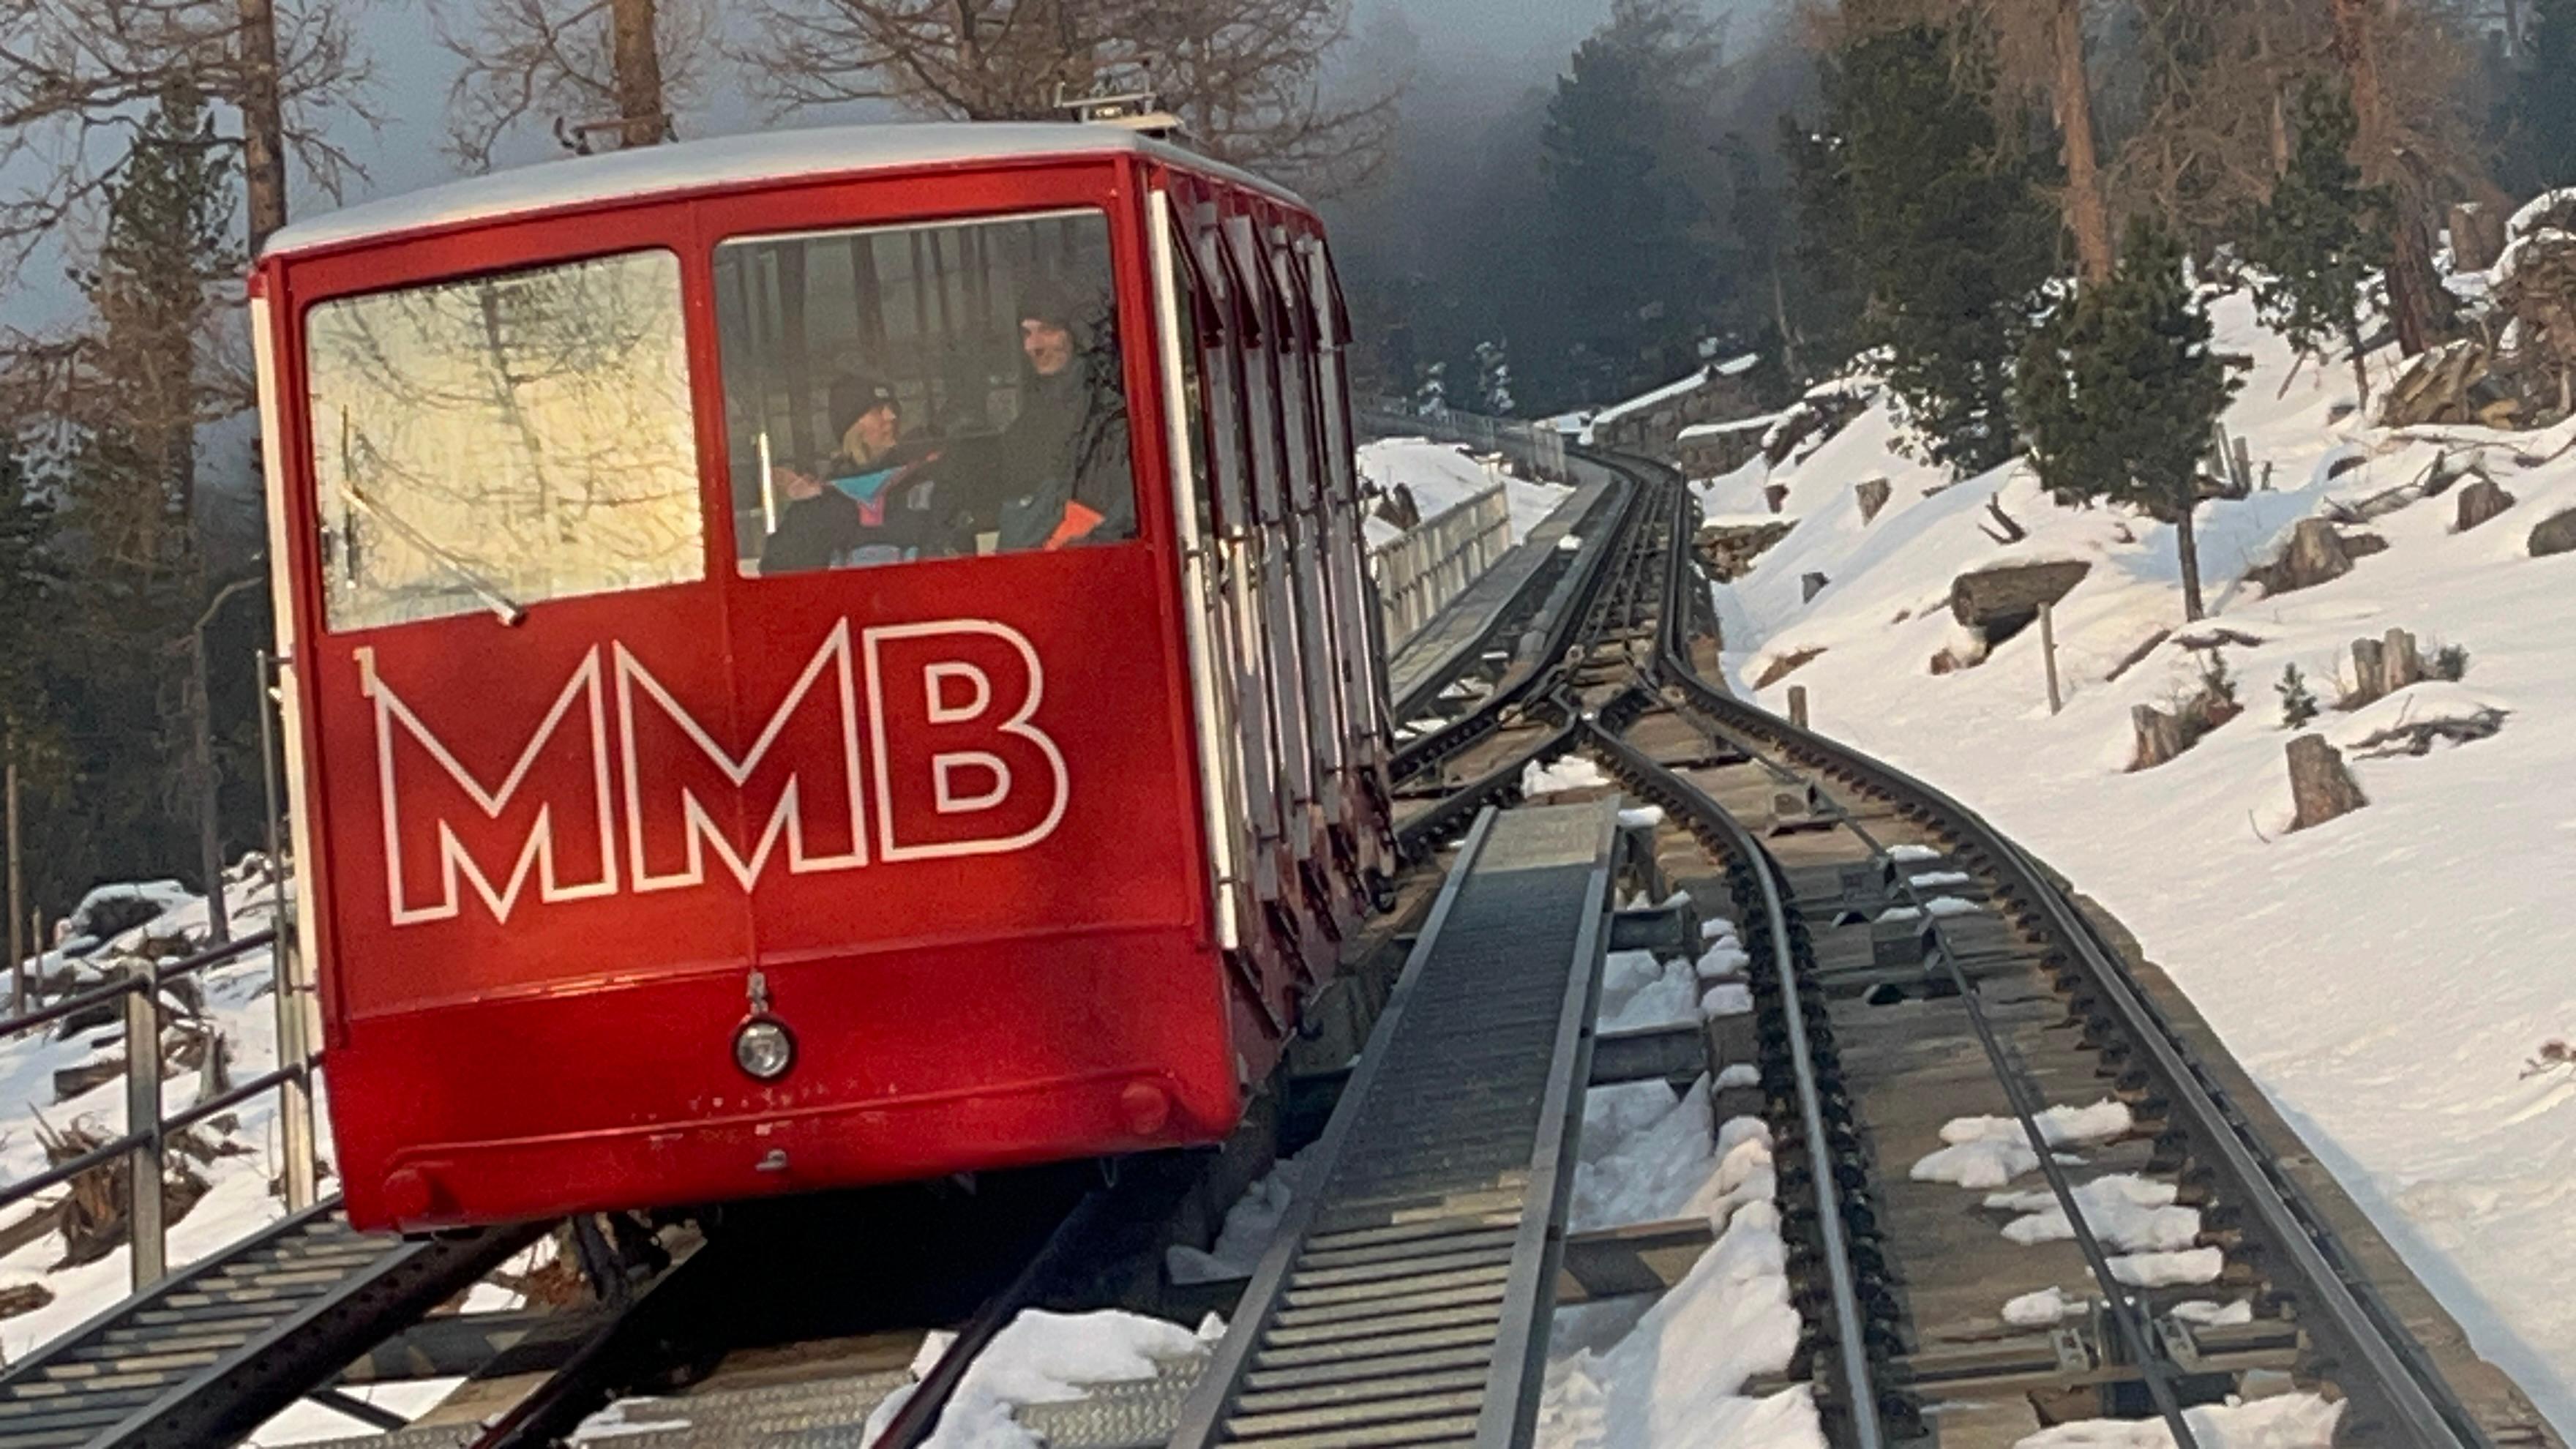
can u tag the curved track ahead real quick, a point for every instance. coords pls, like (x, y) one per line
(1882, 1013)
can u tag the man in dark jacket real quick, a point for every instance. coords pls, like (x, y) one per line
(1060, 470)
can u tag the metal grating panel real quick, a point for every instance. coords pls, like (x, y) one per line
(1405, 1300)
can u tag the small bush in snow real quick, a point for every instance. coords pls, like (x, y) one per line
(2215, 681)
(2298, 702)
(2451, 662)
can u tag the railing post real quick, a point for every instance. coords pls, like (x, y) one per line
(294, 1043)
(145, 1226)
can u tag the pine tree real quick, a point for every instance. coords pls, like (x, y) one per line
(2322, 236)
(168, 246)
(31, 582)
(1628, 274)
(1948, 239)
(2298, 702)
(2544, 101)
(1494, 379)
(2119, 389)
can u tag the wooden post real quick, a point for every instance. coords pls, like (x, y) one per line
(146, 1221)
(19, 946)
(1798, 705)
(2048, 650)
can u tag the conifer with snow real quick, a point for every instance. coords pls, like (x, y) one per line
(2323, 235)
(2120, 388)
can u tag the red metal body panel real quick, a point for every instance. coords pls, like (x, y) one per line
(545, 862)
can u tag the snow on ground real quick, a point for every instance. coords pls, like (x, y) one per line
(240, 1004)
(1443, 475)
(2287, 1421)
(2384, 977)
(1245, 1236)
(1675, 1374)
(1043, 1358)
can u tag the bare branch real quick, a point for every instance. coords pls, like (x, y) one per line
(1245, 76)
(553, 61)
(75, 75)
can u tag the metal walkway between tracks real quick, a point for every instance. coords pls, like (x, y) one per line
(1465, 627)
(1405, 1300)
(212, 1352)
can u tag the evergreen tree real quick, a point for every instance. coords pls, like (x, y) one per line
(30, 590)
(2119, 389)
(168, 246)
(130, 519)
(2543, 147)
(2298, 702)
(1628, 277)
(2323, 236)
(1947, 238)
(1494, 379)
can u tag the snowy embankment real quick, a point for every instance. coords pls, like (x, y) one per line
(242, 1158)
(1440, 476)
(2388, 977)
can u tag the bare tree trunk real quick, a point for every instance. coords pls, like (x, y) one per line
(639, 73)
(263, 126)
(2360, 363)
(2414, 292)
(1780, 317)
(2085, 212)
(2273, 82)
(2187, 546)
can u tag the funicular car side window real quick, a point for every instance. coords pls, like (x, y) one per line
(935, 391)
(504, 440)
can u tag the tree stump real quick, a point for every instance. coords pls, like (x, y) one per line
(2319, 784)
(2400, 662)
(1776, 495)
(2481, 501)
(1874, 493)
(2314, 554)
(2477, 236)
(2160, 736)
(2556, 534)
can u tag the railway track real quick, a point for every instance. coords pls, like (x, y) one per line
(1923, 973)
(1913, 969)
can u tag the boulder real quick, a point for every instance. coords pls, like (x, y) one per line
(2556, 534)
(2005, 600)
(1810, 585)
(2481, 501)
(1873, 497)
(1731, 549)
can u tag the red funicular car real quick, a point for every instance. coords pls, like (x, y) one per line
(822, 658)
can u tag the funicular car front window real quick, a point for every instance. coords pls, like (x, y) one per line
(500, 441)
(909, 392)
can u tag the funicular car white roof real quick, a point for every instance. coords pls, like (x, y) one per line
(730, 161)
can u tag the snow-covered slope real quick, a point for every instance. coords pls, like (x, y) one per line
(1443, 475)
(2386, 976)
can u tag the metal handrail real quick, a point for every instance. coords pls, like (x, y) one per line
(147, 1126)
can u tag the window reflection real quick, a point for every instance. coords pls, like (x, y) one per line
(497, 442)
(915, 392)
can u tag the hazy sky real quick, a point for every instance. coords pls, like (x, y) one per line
(1509, 44)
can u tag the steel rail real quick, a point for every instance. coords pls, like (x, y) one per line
(2411, 1390)
(1851, 1342)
